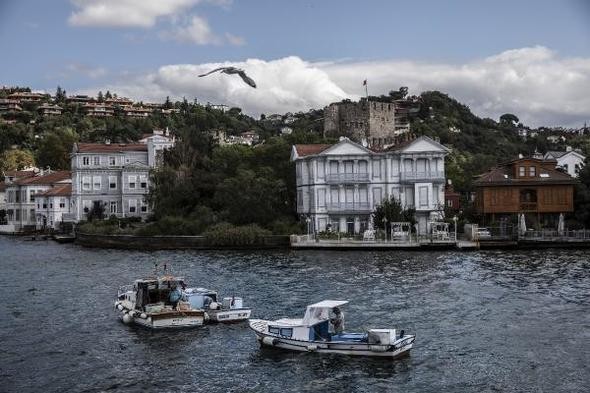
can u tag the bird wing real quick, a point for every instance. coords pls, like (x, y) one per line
(247, 79)
(212, 71)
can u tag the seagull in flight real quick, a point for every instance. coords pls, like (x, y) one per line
(233, 70)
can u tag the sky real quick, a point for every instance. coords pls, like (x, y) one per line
(527, 57)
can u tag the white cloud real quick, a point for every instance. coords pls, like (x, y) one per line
(86, 70)
(125, 13)
(235, 40)
(197, 31)
(535, 84)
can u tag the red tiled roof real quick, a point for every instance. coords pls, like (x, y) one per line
(19, 174)
(503, 175)
(50, 178)
(113, 147)
(59, 190)
(308, 150)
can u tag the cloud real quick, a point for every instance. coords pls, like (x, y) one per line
(235, 40)
(86, 70)
(197, 31)
(125, 13)
(535, 84)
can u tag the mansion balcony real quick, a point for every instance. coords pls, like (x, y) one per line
(344, 178)
(356, 207)
(418, 177)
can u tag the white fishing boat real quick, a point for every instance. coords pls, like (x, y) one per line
(230, 309)
(322, 330)
(157, 303)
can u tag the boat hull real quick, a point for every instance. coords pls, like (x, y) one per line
(164, 320)
(229, 316)
(398, 349)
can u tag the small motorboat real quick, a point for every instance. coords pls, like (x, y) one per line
(322, 330)
(230, 309)
(157, 303)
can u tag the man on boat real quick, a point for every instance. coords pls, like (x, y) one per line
(338, 320)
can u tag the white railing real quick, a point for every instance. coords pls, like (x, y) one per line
(550, 234)
(349, 206)
(347, 177)
(418, 176)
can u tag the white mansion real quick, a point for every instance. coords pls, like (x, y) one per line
(340, 185)
(115, 176)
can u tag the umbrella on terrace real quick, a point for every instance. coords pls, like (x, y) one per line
(561, 225)
(522, 225)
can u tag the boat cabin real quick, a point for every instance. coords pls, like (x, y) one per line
(200, 298)
(317, 323)
(152, 294)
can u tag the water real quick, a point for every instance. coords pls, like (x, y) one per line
(489, 321)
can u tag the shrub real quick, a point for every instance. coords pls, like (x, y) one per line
(225, 234)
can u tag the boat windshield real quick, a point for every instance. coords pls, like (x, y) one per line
(319, 312)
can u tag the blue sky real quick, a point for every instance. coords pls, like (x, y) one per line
(150, 48)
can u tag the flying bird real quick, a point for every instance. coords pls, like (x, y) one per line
(233, 70)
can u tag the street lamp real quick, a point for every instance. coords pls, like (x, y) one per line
(455, 220)
(308, 220)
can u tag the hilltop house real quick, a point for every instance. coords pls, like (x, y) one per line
(339, 186)
(571, 161)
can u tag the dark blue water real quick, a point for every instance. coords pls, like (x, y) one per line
(489, 321)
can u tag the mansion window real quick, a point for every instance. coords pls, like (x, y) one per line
(112, 161)
(86, 183)
(112, 182)
(62, 203)
(132, 206)
(113, 207)
(423, 196)
(521, 171)
(32, 196)
(143, 181)
(86, 206)
(96, 180)
(532, 171)
(143, 207)
(97, 160)
(132, 180)
(85, 160)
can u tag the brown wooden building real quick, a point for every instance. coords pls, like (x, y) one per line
(527, 185)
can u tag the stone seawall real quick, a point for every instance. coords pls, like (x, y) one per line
(132, 242)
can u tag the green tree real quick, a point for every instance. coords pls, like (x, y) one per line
(16, 159)
(100, 97)
(392, 211)
(55, 149)
(509, 119)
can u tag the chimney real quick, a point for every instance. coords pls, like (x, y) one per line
(568, 148)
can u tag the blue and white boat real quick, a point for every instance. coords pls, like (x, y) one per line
(228, 310)
(321, 330)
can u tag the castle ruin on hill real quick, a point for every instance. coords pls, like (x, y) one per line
(372, 122)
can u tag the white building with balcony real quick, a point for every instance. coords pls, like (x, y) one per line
(570, 161)
(22, 194)
(339, 186)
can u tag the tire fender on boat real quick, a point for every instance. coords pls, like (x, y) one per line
(269, 341)
(127, 319)
(312, 348)
(119, 307)
(143, 315)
